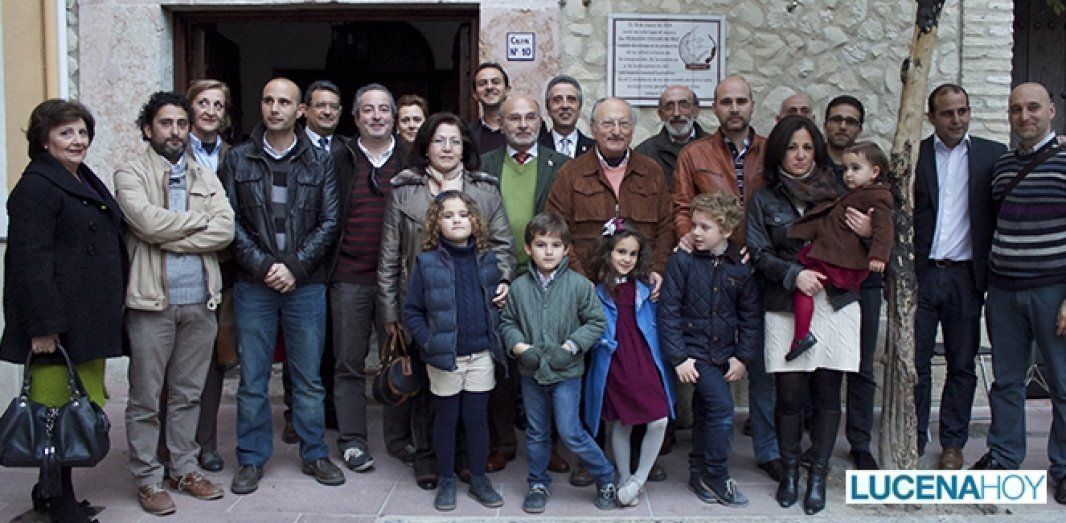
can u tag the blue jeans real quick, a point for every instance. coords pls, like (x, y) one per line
(712, 422)
(762, 396)
(563, 399)
(302, 315)
(1015, 320)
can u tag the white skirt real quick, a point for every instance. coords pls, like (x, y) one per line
(837, 333)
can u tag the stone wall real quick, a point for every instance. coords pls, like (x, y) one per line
(121, 52)
(825, 48)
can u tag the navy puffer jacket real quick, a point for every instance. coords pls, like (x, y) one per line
(430, 310)
(710, 309)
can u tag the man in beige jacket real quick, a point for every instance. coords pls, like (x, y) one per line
(179, 218)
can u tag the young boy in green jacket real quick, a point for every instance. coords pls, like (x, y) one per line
(551, 319)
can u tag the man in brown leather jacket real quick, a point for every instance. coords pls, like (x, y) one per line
(728, 160)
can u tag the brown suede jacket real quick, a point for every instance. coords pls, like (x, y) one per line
(582, 195)
(706, 165)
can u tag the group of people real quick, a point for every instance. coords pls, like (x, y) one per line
(611, 293)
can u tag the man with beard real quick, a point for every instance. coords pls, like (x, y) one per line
(526, 172)
(844, 117)
(322, 110)
(678, 109)
(798, 104)
(491, 86)
(178, 219)
(364, 166)
(731, 160)
(563, 99)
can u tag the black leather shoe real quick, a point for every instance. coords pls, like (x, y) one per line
(246, 480)
(1060, 492)
(773, 468)
(658, 473)
(801, 346)
(864, 460)
(427, 481)
(814, 501)
(288, 434)
(324, 471)
(211, 461)
(987, 462)
(788, 487)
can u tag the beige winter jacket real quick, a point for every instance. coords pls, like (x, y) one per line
(204, 229)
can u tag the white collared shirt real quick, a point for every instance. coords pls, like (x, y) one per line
(1041, 143)
(532, 152)
(557, 139)
(209, 159)
(951, 236)
(315, 138)
(377, 160)
(277, 155)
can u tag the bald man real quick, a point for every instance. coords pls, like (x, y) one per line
(678, 109)
(1027, 282)
(798, 104)
(285, 197)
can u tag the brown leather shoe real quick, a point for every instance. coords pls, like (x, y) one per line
(581, 477)
(951, 458)
(197, 486)
(154, 500)
(556, 463)
(497, 461)
(289, 435)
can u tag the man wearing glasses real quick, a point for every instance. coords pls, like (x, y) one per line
(611, 180)
(844, 117)
(364, 167)
(322, 109)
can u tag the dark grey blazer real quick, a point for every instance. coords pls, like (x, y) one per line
(983, 155)
(584, 143)
(548, 163)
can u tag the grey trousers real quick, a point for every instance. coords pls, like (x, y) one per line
(174, 346)
(352, 307)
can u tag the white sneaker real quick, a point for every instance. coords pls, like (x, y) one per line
(628, 494)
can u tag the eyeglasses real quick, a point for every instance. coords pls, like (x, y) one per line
(844, 120)
(323, 105)
(442, 142)
(607, 125)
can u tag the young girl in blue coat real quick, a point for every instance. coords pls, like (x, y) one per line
(450, 314)
(627, 383)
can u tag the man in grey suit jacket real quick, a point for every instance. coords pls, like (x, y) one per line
(526, 172)
(953, 225)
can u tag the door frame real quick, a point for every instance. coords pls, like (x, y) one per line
(190, 63)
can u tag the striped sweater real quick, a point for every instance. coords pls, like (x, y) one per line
(1029, 244)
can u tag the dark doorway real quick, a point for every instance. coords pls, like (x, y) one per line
(430, 51)
(1040, 52)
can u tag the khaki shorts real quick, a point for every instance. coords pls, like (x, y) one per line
(475, 374)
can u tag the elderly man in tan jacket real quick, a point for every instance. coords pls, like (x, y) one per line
(179, 218)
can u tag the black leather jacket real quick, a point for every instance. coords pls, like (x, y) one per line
(311, 228)
(769, 214)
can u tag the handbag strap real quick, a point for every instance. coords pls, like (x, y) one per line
(395, 347)
(73, 380)
(1047, 152)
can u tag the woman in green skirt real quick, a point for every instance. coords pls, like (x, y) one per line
(64, 272)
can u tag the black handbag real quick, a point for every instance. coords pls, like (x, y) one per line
(35, 435)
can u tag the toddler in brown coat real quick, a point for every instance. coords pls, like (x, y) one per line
(839, 256)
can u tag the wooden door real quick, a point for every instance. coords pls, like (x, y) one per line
(1040, 52)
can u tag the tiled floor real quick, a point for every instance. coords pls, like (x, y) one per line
(388, 492)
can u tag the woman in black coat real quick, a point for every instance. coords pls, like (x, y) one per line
(64, 271)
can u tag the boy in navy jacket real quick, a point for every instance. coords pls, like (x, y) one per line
(710, 328)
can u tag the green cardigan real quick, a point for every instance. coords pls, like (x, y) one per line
(545, 318)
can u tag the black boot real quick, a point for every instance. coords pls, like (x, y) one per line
(824, 425)
(789, 433)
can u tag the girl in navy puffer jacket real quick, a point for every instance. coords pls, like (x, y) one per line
(450, 314)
